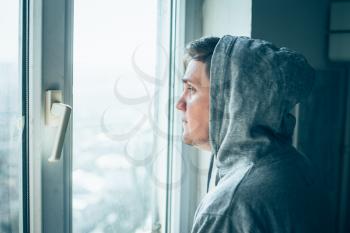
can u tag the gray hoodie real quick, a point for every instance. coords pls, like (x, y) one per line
(263, 185)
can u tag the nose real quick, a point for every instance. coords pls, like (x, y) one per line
(181, 104)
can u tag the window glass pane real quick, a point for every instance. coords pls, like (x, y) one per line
(120, 117)
(10, 116)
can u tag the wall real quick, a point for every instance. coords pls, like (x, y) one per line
(222, 17)
(297, 24)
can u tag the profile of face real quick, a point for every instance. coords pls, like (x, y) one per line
(194, 105)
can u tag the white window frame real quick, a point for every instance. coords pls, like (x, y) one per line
(50, 68)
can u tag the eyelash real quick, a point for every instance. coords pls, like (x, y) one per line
(191, 89)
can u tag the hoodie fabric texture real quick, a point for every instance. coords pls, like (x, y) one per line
(263, 184)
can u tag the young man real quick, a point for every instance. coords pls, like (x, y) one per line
(237, 96)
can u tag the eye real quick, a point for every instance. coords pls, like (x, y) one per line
(191, 89)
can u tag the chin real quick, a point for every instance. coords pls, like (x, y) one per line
(186, 139)
(199, 144)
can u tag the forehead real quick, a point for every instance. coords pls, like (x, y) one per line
(196, 73)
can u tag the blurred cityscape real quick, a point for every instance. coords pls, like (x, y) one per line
(110, 194)
(113, 187)
(10, 148)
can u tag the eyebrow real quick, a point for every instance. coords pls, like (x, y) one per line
(184, 80)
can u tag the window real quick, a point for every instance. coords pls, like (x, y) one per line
(115, 66)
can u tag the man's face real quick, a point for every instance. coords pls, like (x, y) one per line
(194, 104)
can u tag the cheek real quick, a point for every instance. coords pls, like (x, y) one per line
(198, 112)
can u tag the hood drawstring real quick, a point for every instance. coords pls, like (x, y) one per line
(210, 172)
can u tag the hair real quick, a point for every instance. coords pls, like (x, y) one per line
(201, 50)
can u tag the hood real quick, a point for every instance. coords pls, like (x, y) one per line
(253, 87)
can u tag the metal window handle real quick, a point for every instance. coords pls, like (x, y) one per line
(57, 115)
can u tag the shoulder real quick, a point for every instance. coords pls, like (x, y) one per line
(260, 182)
(272, 195)
(279, 183)
(282, 195)
(218, 200)
(285, 176)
